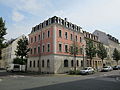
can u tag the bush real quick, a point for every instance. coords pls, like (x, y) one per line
(72, 72)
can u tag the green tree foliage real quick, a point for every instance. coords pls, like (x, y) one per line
(101, 52)
(116, 55)
(2, 33)
(90, 50)
(19, 61)
(22, 48)
(74, 51)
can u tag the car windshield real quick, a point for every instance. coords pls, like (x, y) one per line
(85, 68)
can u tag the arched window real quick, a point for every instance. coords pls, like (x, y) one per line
(81, 63)
(34, 64)
(38, 63)
(77, 63)
(48, 63)
(72, 63)
(43, 63)
(66, 63)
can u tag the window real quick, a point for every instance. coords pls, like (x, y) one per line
(76, 38)
(81, 51)
(38, 37)
(30, 63)
(72, 64)
(31, 40)
(81, 63)
(38, 63)
(31, 51)
(38, 49)
(71, 36)
(66, 36)
(43, 48)
(60, 33)
(34, 64)
(65, 63)
(48, 34)
(48, 48)
(66, 48)
(77, 63)
(35, 38)
(48, 63)
(42, 63)
(60, 47)
(80, 39)
(43, 35)
(34, 50)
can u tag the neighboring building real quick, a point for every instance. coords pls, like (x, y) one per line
(8, 53)
(96, 62)
(110, 42)
(49, 44)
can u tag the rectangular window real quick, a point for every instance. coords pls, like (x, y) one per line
(76, 38)
(31, 40)
(60, 47)
(38, 37)
(35, 38)
(66, 48)
(34, 50)
(66, 35)
(43, 35)
(48, 48)
(38, 49)
(43, 48)
(48, 34)
(71, 36)
(60, 33)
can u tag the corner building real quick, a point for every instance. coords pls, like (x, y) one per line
(49, 44)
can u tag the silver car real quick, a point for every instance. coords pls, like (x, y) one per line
(87, 70)
(107, 68)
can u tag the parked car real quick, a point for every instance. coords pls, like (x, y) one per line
(116, 67)
(15, 68)
(87, 70)
(107, 68)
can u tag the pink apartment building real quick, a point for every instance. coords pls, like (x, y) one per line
(49, 44)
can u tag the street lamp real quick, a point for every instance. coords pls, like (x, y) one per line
(83, 56)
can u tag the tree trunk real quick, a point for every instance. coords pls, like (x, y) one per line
(74, 63)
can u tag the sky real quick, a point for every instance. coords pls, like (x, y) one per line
(21, 15)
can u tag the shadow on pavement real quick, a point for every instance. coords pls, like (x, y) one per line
(89, 84)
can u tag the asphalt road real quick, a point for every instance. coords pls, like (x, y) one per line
(98, 81)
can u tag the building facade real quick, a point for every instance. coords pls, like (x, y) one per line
(8, 53)
(96, 62)
(110, 43)
(49, 44)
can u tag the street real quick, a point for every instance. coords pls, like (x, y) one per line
(97, 81)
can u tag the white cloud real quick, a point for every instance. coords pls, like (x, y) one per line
(16, 16)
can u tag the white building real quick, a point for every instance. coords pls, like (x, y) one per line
(8, 53)
(110, 42)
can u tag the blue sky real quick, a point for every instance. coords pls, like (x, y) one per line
(22, 15)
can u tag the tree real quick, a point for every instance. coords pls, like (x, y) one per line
(116, 55)
(22, 49)
(19, 61)
(2, 33)
(101, 52)
(74, 51)
(90, 50)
